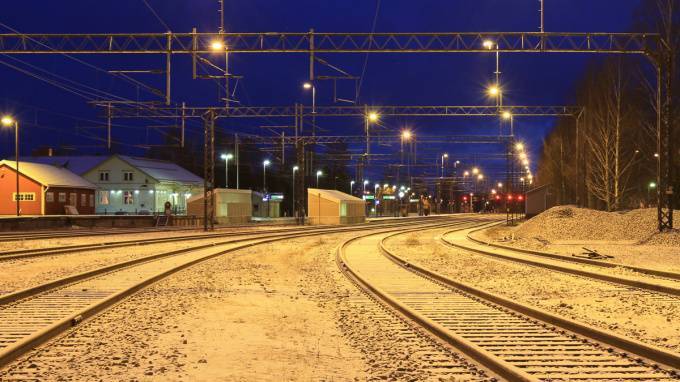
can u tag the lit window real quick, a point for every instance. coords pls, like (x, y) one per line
(49, 197)
(128, 198)
(103, 197)
(24, 196)
(103, 176)
(127, 176)
(62, 197)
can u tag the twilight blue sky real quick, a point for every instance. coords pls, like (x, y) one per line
(53, 117)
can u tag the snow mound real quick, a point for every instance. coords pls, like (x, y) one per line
(665, 238)
(574, 223)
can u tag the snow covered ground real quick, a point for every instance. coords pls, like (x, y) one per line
(631, 313)
(631, 238)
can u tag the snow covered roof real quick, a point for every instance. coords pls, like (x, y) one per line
(162, 170)
(77, 164)
(334, 195)
(49, 175)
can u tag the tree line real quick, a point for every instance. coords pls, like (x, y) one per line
(617, 132)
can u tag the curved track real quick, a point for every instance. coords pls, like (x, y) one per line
(661, 287)
(507, 341)
(34, 315)
(66, 249)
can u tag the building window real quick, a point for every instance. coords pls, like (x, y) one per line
(91, 200)
(103, 198)
(49, 197)
(83, 200)
(127, 197)
(127, 176)
(62, 197)
(24, 196)
(103, 176)
(73, 199)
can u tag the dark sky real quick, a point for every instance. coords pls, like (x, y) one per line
(52, 116)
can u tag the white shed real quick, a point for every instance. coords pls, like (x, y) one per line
(231, 206)
(334, 207)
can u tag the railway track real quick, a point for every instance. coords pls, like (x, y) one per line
(517, 342)
(663, 287)
(62, 234)
(66, 249)
(32, 316)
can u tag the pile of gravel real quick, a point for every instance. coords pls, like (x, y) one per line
(665, 238)
(573, 223)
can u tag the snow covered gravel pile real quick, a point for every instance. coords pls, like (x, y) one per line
(573, 223)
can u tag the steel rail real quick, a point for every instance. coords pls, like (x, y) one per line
(470, 349)
(88, 303)
(649, 271)
(51, 251)
(609, 338)
(640, 284)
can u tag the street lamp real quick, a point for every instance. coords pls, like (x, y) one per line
(8, 121)
(264, 174)
(445, 155)
(508, 116)
(295, 169)
(373, 117)
(475, 171)
(365, 183)
(217, 45)
(310, 86)
(351, 186)
(318, 174)
(519, 146)
(226, 158)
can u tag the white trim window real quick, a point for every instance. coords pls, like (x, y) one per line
(103, 176)
(73, 199)
(128, 176)
(83, 200)
(49, 197)
(62, 197)
(128, 197)
(91, 200)
(24, 196)
(103, 197)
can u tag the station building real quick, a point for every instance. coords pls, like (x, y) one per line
(131, 185)
(44, 190)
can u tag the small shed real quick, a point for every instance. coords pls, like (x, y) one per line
(266, 206)
(44, 190)
(538, 200)
(232, 206)
(334, 207)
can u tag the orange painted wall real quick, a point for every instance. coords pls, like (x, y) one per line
(8, 187)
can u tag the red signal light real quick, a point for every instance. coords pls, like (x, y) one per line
(509, 197)
(520, 197)
(465, 198)
(498, 197)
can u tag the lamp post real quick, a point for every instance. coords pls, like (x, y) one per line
(318, 174)
(264, 174)
(508, 116)
(650, 186)
(364, 189)
(226, 158)
(295, 169)
(8, 121)
(444, 156)
(351, 187)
